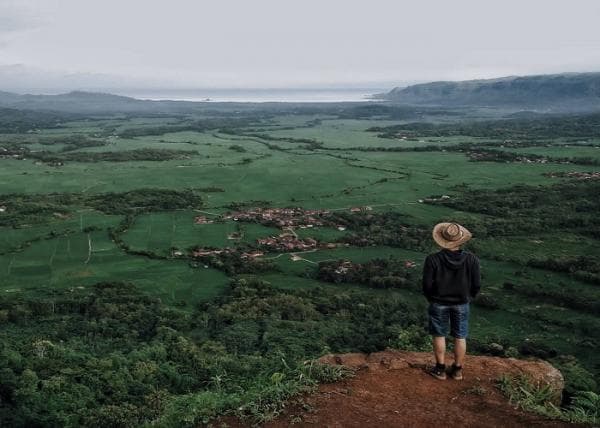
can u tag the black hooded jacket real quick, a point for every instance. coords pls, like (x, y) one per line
(451, 277)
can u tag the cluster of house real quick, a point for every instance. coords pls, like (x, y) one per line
(288, 217)
(252, 254)
(287, 242)
(52, 163)
(506, 157)
(441, 198)
(361, 209)
(284, 218)
(200, 219)
(535, 160)
(203, 252)
(343, 267)
(576, 174)
(206, 252)
(6, 154)
(281, 217)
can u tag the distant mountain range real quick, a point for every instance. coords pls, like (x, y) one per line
(100, 103)
(569, 91)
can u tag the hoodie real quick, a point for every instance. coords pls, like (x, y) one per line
(451, 277)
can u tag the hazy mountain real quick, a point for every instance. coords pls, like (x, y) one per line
(93, 102)
(101, 103)
(73, 102)
(571, 91)
(545, 93)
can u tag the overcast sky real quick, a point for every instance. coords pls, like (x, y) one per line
(269, 43)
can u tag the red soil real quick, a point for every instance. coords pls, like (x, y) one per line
(391, 389)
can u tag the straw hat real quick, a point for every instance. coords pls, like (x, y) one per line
(450, 235)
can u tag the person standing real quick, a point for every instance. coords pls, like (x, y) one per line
(451, 279)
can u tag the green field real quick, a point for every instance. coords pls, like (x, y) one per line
(271, 162)
(293, 176)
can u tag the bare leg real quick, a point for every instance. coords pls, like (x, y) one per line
(439, 349)
(460, 349)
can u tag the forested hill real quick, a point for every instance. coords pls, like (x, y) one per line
(571, 91)
(78, 101)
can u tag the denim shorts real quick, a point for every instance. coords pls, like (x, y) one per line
(455, 315)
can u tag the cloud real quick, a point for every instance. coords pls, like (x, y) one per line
(22, 78)
(18, 16)
(265, 43)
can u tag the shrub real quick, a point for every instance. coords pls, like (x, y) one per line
(412, 338)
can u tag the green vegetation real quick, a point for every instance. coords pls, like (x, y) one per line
(583, 409)
(574, 126)
(121, 156)
(558, 92)
(17, 121)
(131, 294)
(24, 209)
(570, 206)
(146, 362)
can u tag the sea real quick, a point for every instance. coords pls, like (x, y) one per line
(258, 95)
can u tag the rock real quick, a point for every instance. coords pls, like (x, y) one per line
(542, 373)
(496, 349)
(353, 361)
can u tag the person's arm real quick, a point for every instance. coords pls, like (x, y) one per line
(428, 271)
(475, 278)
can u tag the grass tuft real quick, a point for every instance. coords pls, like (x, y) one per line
(525, 394)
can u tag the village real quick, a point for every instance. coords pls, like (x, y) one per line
(575, 174)
(208, 252)
(287, 242)
(200, 219)
(286, 219)
(284, 243)
(289, 218)
(282, 217)
(502, 156)
(377, 272)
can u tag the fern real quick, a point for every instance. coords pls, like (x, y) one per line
(521, 391)
(584, 408)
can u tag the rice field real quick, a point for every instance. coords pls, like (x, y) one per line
(60, 254)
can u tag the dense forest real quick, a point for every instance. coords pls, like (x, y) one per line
(16, 121)
(23, 209)
(559, 92)
(145, 154)
(575, 126)
(112, 356)
(571, 206)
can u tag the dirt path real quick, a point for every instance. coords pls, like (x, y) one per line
(89, 249)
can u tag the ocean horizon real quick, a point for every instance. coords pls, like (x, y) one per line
(295, 95)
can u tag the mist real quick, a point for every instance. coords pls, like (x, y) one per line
(69, 44)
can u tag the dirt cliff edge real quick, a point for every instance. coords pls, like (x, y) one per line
(538, 371)
(391, 389)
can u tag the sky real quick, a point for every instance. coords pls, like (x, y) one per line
(282, 43)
